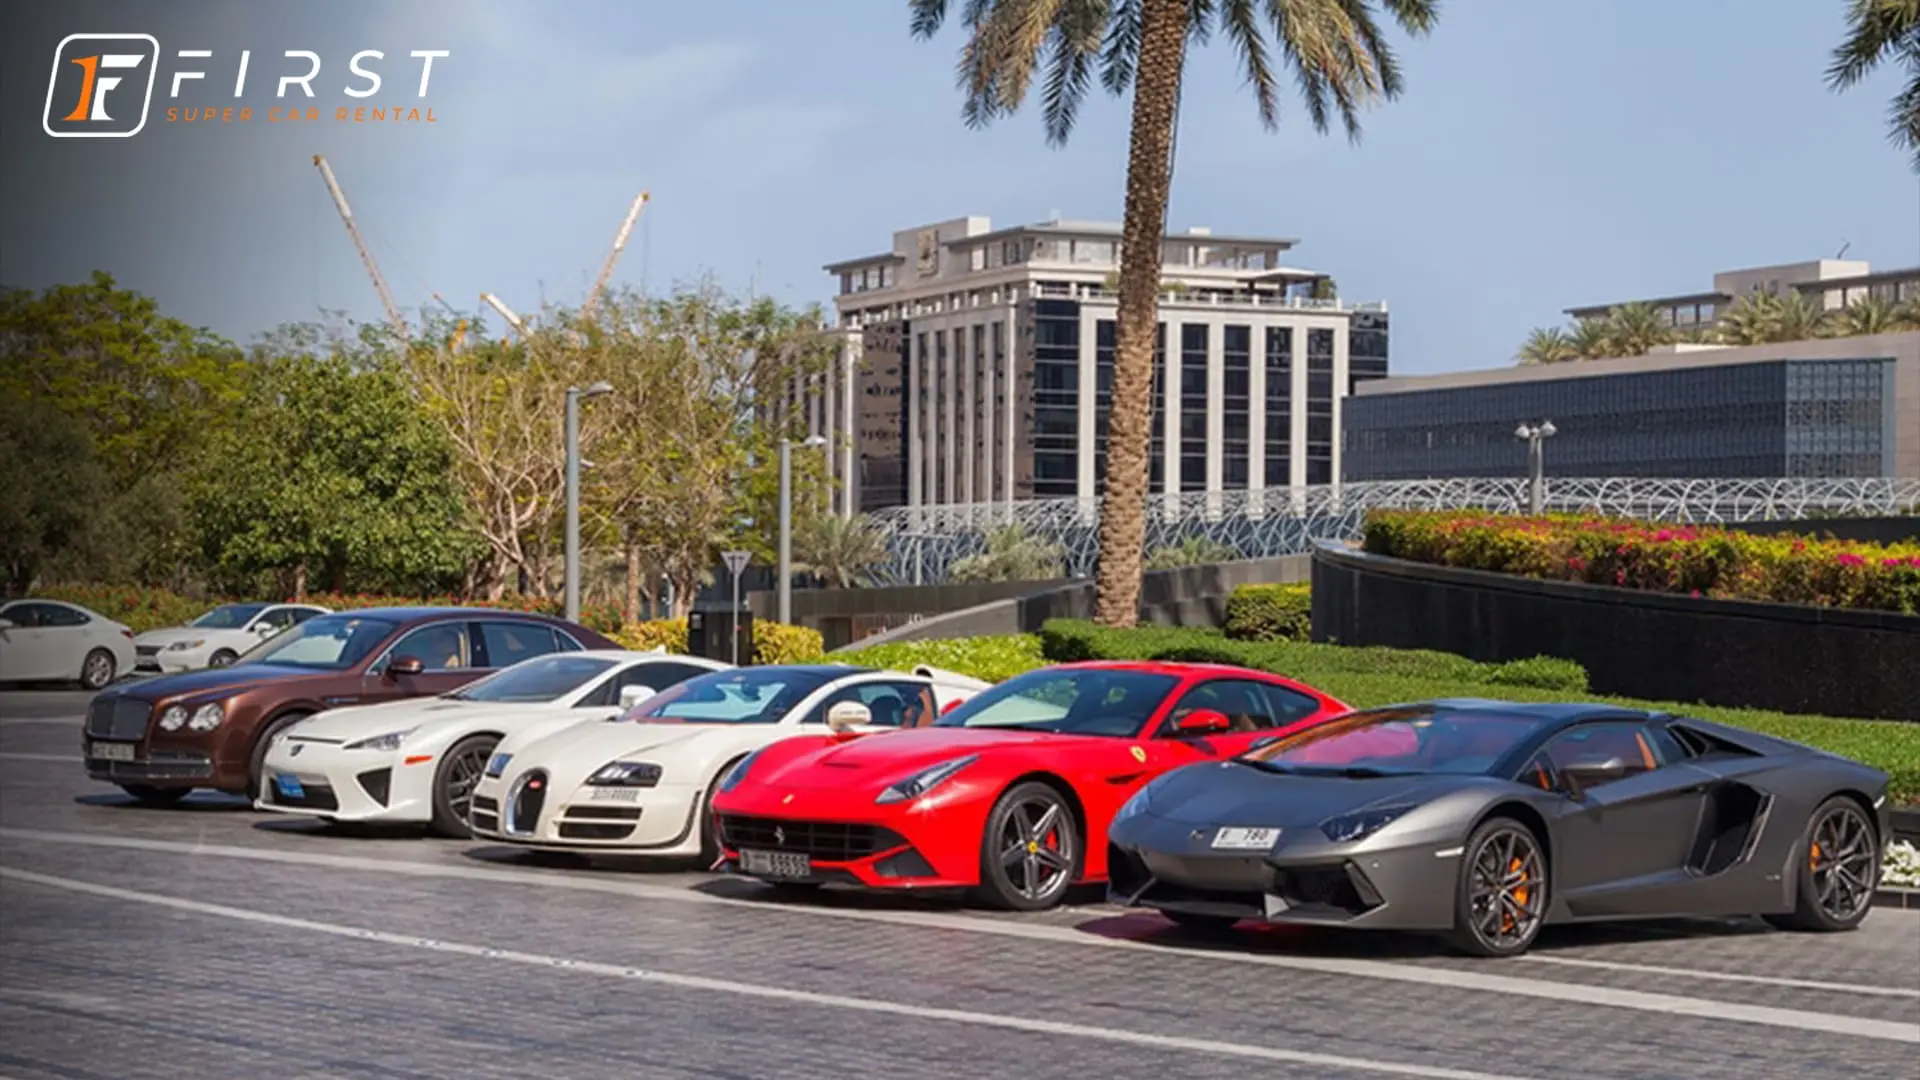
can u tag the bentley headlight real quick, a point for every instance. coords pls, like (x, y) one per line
(207, 717)
(1360, 824)
(497, 765)
(925, 780)
(389, 741)
(174, 718)
(625, 774)
(738, 772)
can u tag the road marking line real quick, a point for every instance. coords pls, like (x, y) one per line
(760, 990)
(11, 756)
(11, 721)
(1727, 976)
(1446, 978)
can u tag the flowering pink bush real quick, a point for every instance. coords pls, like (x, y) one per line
(1692, 560)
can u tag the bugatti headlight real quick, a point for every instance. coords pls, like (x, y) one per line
(207, 717)
(1347, 828)
(497, 765)
(925, 780)
(738, 772)
(174, 718)
(625, 774)
(389, 741)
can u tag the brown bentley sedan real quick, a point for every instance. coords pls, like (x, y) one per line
(161, 738)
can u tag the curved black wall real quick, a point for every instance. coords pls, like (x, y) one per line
(1635, 644)
(1878, 530)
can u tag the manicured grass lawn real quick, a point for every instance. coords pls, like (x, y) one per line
(1367, 677)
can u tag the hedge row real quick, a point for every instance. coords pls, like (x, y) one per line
(145, 609)
(1695, 560)
(1270, 612)
(773, 643)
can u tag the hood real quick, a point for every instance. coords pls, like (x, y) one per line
(216, 680)
(1233, 794)
(576, 751)
(361, 721)
(168, 635)
(884, 759)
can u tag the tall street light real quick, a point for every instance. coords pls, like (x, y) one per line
(574, 394)
(1536, 436)
(785, 569)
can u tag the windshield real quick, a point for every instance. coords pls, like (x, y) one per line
(326, 643)
(1405, 739)
(229, 616)
(752, 696)
(1076, 701)
(544, 678)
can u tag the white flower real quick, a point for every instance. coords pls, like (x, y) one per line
(1902, 867)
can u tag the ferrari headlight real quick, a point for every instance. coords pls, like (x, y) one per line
(207, 717)
(184, 646)
(497, 765)
(738, 772)
(1360, 824)
(389, 741)
(925, 780)
(1140, 799)
(625, 774)
(174, 718)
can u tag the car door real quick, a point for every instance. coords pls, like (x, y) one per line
(446, 654)
(66, 636)
(1621, 846)
(1245, 702)
(24, 652)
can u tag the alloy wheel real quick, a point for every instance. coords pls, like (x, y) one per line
(97, 671)
(464, 770)
(1036, 848)
(1506, 892)
(1841, 859)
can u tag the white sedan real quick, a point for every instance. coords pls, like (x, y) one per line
(54, 641)
(416, 760)
(642, 785)
(219, 637)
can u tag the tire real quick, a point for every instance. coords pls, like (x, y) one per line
(1030, 849)
(1832, 892)
(257, 763)
(222, 658)
(454, 779)
(1485, 922)
(709, 831)
(1200, 923)
(98, 670)
(149, 795)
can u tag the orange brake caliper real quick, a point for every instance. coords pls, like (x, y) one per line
(1519, 897)
(1813, 856)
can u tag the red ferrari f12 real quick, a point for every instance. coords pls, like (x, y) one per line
(1010, 793)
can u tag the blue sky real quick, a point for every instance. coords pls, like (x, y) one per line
(1546, 154)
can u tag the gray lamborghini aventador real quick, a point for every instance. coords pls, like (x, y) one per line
(1486, 820)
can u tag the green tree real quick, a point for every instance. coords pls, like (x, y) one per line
(1193, 551)
(1340, 61)
(840, 551)
(1882, 31)
(1636, 329)
(54, 482)
(1547, 345)
(1012, 554)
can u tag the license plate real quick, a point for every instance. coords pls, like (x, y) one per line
(776, 864)
(1238, 838)
(614, 794)
(111, 751)
(289, 787)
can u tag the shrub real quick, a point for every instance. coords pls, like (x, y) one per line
(1270, 612)
(1688, 559)
(994, 659)
(779, 643)
(670, 634)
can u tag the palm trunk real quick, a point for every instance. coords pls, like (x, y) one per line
(1123, 526)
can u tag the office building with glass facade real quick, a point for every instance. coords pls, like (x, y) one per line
(977, 366)
(1837, 407)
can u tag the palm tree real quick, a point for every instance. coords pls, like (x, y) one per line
(1881, 30)
(1547, 345)
(1754, 319)
(1636, 329)
(1012, 554)
(1340, 61)
(1591, 339)
(1802, 318)
(842, 552)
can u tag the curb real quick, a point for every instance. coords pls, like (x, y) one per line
(1904, 822)
(1903, 899)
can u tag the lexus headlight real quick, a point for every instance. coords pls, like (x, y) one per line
(1360, 824)
(390, 741)
(183, 646)
(174, 718)
(738, 772)
(625, 774)
(1140, 799)
(207, 717)
(497, 765)
(925, 780)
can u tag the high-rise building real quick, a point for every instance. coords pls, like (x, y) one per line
(977, 365)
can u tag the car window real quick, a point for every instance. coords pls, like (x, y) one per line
(1401, 739)
(333, 643)
(896, 704)
(735, 696)
(1623, 741)
(62, 615)
(22, 615)
(654, 675)
(1243, 701)
(1113, 702)
(1288, 706)
(503, 644)
(302, 614)
(279, 618)
(227, 616)
(545, 678)
(440, 647)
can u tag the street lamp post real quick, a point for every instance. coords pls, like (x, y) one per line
(785, 569)
(1536, 436)
(574, 394)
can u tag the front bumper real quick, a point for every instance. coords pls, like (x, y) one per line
(911, 847)
(321, 780)
(660, 820)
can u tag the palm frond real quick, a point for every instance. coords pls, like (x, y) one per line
(926, 16)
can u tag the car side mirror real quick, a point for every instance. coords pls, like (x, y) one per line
(405, 665)
(848, 715)
(6, 624)
(634, 695)
(266, 630)
(1202, 722)
(1582, 774)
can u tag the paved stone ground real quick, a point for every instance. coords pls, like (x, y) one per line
(212, 942)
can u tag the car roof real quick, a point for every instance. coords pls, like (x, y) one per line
(632, 654)
(409, 614)
(1178, 668)
(1549, 712)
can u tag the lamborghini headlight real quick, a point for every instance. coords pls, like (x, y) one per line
(207, 717)
(925, 780)
(625, 774)
(1347, 828)
(174, 718)
(389, 741)
(1140, 799)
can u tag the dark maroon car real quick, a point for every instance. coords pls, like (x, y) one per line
(161, 738)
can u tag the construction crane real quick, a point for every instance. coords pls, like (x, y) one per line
(506, 312)
(619, 245)
(459, 327)
(366, 256)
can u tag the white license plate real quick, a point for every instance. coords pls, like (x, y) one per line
(1240, 838)
(111, 751)
(614, 794)
(776, 864)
